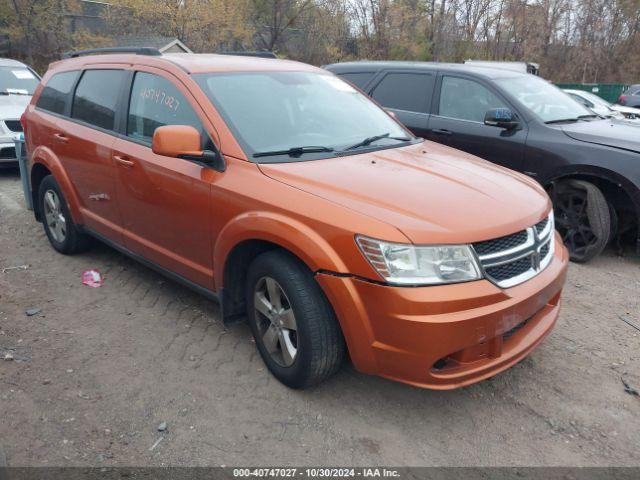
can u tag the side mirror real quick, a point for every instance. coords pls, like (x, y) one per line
(500, 117)
(184, 141)
(176, 141)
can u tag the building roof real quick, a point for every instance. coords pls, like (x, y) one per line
(161, 43)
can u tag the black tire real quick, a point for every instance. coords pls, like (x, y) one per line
(583, 219)
(73, 241)
(318, 337)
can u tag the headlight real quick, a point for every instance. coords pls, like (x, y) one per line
(406, 264)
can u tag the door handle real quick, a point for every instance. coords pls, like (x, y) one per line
(60, 137)
(124, 161)
(441, 131)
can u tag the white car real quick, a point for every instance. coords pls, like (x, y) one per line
(17, 84)
(604, 108)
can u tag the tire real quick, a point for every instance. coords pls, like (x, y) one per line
(316, 336)
(62, 233)
(583, 219)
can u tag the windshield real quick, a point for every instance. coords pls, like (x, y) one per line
(17, 80)
(543, 99)
(310, 114)
(593, 98)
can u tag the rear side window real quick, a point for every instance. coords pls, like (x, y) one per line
(96, 97)
(405, 91)
(465, 99)
(156, 102)
(359, 79)
(55, 93)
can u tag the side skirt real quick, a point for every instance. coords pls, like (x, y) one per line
(210, 294)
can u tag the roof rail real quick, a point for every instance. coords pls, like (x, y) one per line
(263, 54)
(154, 52)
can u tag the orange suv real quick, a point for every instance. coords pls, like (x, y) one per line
(303, 208)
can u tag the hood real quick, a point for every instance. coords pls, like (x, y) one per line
(621, 108)
(13, 106)
(610, 133)
(431, 193)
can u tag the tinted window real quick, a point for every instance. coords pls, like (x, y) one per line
(156, 102)
(466, 100)
(96, 97)
(359, 79)
(404, 91)
(54, 95)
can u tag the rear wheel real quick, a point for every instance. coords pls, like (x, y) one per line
(63, 234)
(294, 326)
(583, 219)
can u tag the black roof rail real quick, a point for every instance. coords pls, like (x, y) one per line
(263, 54)
(154, 52)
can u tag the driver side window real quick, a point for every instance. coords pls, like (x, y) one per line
(156, 102)
(465, 99)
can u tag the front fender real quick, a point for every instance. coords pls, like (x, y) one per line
(293, 235)
(46, 157)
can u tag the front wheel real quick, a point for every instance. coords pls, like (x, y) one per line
(294, 326)
(583, 219)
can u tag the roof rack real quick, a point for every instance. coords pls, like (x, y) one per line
(263, 54)
(154, 52)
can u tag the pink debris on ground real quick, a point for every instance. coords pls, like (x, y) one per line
(92, 278)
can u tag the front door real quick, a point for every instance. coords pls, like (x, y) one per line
(164, 202)
(459, 123)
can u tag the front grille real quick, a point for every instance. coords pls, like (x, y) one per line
(7, 152)
(540, 226)
(513, 259)
(13, 125)
(509, 270)
(500, 244)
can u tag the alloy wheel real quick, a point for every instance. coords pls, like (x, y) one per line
(56, 222)
(276, 322)
(572, 221)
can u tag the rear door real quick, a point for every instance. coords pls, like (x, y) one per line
(165, 202)
(459, 107)
(408, 95)
(84, 140)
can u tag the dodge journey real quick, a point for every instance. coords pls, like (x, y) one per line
(301, 206)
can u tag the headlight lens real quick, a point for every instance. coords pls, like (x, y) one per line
(406, 264)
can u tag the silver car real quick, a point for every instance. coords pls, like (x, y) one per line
(17, 84)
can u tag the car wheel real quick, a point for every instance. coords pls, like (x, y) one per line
(582, 218)
(63, 234)
(293, 324)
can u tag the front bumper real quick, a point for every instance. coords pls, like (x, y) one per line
(445, 337)
(8, 153)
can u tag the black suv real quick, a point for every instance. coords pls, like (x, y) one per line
(589, 165)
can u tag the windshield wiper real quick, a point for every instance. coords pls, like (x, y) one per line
(593, 115)
(293, 151)
(563, 120)
(369, 140)
(573, 120)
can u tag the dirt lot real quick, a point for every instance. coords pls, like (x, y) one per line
(97, 370)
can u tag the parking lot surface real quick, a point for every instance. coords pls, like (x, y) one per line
(91, 374)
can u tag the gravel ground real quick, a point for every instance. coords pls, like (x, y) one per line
(96, 371)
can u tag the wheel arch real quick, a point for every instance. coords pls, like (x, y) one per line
(618, 190)
(45, 162)
(250, 234)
